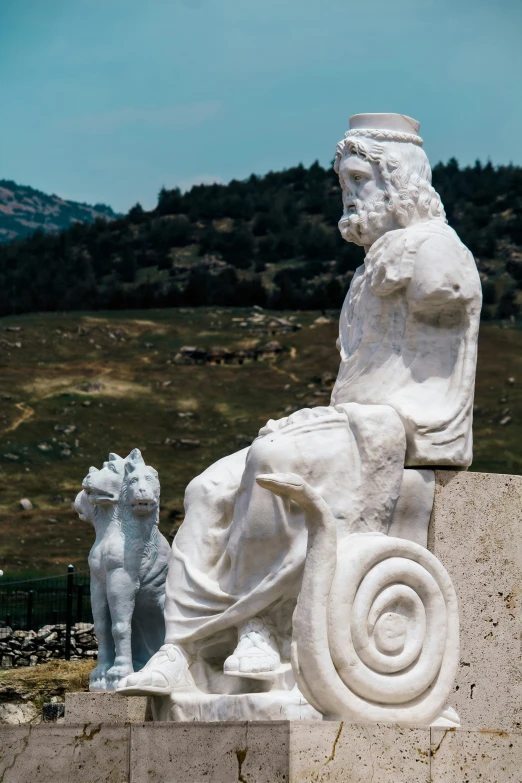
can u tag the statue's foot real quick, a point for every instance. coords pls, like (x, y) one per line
(98, 679)
(118, 672)
(257, 652)
(167, 671)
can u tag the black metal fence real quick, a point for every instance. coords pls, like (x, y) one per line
(32, 603)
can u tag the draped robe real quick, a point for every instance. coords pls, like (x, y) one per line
(403, 396)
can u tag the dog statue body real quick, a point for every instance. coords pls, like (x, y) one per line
(128, 563)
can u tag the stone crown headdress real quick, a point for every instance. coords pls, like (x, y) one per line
(385, 127)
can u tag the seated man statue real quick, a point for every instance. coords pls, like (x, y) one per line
(403, 399)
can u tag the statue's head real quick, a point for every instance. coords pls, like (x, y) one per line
(141, 487)
(102, 487)
(385, 178)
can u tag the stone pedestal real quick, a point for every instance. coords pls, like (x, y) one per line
(273, 752)
(106, 708)
(207, 707)
(476, 532)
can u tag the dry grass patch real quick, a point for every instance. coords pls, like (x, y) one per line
(44, 387)
(39, 683)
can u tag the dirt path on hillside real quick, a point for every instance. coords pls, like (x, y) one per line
(25, 413)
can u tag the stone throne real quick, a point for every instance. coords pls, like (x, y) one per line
(325, 518)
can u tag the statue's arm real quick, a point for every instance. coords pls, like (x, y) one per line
(444, 277)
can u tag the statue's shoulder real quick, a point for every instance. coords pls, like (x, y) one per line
(433, 233)
(441, 263)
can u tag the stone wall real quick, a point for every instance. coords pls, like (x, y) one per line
(28, 648)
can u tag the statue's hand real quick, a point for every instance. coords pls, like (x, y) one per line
(290, 485)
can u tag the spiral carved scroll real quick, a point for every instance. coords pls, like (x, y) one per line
(376, 627)
(392, 635)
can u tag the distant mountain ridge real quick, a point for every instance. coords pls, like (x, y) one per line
(23, 210)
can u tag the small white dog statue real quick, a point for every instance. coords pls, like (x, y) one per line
(128, 562)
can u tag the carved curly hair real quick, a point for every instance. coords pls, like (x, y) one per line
(406, 172)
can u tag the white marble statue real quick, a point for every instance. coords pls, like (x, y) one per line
(128, 563)
(374, 636)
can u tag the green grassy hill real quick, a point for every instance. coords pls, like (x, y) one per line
(75, 386)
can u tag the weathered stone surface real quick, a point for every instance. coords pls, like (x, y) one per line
(13, 742)
(196, 752)
(333, 752)
(17, 713)
(73, 754)
(106, 708)
(475, 532)
(459, 756)
(270, 752)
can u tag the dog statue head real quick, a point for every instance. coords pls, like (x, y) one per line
(141, 487)
(103, 487)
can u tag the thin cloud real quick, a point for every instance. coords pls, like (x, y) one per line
(164, 117)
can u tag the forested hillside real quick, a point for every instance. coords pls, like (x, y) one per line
(23, 210)
(270, 240)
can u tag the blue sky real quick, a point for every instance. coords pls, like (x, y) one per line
(108, 100)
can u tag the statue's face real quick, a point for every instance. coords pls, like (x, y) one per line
(366, 215)
(103, 487)
(142, 490)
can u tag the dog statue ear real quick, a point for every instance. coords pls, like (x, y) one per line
(114, 457)
(135, 456)
(92, 469)
(130, 467)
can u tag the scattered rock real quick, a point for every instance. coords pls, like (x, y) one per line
(93, 386)
(67, 429)
(505, 421)
(44, 447)
(511, 381)
(11, 457)
(270, 348)
(8, 344)
(328, 379)
(26, 504)
(187, 443)
(15, 714)
(53, 711)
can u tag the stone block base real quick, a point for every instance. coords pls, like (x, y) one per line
(209, 707)
(83, 708)
(475, 532)
(270, 752)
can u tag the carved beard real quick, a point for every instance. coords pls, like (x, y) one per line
(371, 220)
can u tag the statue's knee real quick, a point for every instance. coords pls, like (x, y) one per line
(209, 484)
(269, 454)
(121, 630)
(198, 488)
